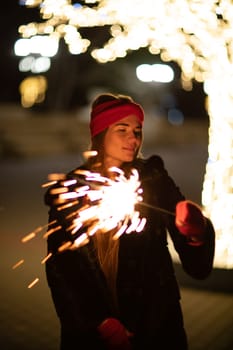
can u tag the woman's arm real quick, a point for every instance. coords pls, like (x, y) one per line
(196, 259)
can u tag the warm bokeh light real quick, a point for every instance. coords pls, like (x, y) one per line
(42, 45)
(32, 90)
(34, 64)
(161, 73)
(197, 34)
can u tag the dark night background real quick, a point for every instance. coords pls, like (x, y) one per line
(72, 76)
(12, 15)
(50, 137)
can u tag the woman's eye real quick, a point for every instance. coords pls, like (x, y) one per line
(138, 134)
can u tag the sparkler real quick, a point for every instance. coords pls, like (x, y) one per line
(108, 204)
(104, 204)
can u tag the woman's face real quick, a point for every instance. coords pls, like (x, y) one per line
(122, 141)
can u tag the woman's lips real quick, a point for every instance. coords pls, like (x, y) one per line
(129, 149)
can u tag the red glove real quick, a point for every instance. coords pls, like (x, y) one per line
(114, 334)
(190, 222)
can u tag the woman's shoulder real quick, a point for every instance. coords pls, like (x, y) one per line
(151, 167)
(151, 163)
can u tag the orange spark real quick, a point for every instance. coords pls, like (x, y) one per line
(46, 258)
(36, 280)
(20, 262)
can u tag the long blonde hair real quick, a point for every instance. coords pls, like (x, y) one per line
(106, 248)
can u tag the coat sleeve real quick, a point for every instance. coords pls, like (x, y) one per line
(196, 261)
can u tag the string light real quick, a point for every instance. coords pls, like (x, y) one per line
(197, 34)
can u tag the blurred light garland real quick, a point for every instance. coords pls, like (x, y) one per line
(197, 34)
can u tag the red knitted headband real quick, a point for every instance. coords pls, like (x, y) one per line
(108, 113)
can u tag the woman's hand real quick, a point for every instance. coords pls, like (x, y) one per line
(114, 334)
(190, 222)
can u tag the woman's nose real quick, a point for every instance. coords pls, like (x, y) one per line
(132, 135)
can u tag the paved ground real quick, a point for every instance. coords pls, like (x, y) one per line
(27, 317)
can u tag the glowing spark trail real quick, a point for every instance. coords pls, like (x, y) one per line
(108, 203)
(43, 261)
(36, 280)
(33, 234)
(19, 263)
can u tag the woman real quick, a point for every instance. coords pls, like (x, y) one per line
(123, 294)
